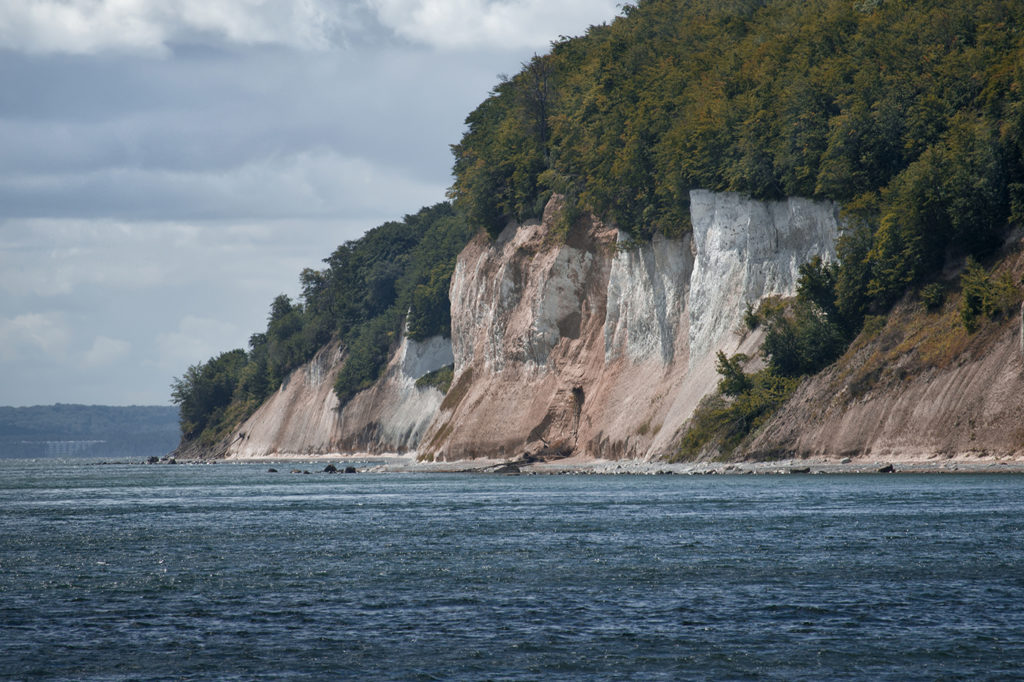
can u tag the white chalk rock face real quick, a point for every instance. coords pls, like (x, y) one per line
(392, 415)
(557, 303)
(419, 358)
(748, 250)
(300, 417)
(647, 290)
(513, 301)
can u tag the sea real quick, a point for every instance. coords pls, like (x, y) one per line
(231, 572)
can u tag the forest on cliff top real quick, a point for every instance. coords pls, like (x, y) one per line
(907, 113)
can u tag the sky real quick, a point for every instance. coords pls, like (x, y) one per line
(167, 167)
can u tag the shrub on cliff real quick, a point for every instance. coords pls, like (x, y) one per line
(984, 295)
(440, 379)
(721, 422)
(205, 391)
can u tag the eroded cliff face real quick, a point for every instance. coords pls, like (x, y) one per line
(747, 250)
(595, 346)
(602, 348)
(302, 417)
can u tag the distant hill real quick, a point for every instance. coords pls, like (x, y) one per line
(87, 431)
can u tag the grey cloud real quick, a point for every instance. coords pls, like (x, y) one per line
(168, 295)
(395, 115)
(303, 185)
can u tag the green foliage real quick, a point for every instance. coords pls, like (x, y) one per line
(984, 295)
(440, 379)
(802, 341)
(722, 424)
(817, 285)
(853, 249)
(734, 381)
(368, 352)
(873, 325)
(908, 114)
(952, 198)
(750, 318)
(204, 392)
(810, 334)
(933, 295)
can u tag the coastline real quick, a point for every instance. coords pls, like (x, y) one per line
(407, 463)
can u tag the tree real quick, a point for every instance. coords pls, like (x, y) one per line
(205, 390)
(734, 381)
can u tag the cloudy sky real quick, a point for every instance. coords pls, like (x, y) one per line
(168, 166)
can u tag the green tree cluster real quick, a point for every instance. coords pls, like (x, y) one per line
(909, 113)
(395, 274)
(985, 295)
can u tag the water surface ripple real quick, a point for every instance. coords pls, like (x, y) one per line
(228, 572)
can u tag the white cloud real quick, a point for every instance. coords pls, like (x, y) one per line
(91, 26)
(32, 333)
(106, 351)
(508, 24)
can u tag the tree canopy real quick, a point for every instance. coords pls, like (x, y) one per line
(909, 112)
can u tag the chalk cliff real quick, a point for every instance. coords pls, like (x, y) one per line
(600, 347)
(594, 345)
(302, 417)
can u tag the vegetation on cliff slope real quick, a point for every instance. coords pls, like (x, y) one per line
(396, 273)
(948, 322)
(801, 337)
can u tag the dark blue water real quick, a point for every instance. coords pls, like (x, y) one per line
(125, 572)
